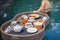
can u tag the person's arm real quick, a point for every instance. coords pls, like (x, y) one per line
(48, 5)
(45, 5)
(42, 6)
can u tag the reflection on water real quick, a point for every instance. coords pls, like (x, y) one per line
(52, 30)
(53, 33)
(5, 15)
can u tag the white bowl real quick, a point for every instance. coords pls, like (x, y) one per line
(32, 30)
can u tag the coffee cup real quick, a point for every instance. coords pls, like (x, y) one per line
(38, 25)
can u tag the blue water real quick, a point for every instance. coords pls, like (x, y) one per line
(52, 30)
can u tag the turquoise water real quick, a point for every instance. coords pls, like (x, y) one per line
(52, 30)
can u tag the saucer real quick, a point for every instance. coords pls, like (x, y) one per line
(32, 30)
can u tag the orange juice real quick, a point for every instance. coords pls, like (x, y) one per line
(24, 20)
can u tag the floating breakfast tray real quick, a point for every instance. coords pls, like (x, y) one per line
(36, 36)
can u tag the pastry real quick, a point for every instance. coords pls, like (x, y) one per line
(35, 15)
